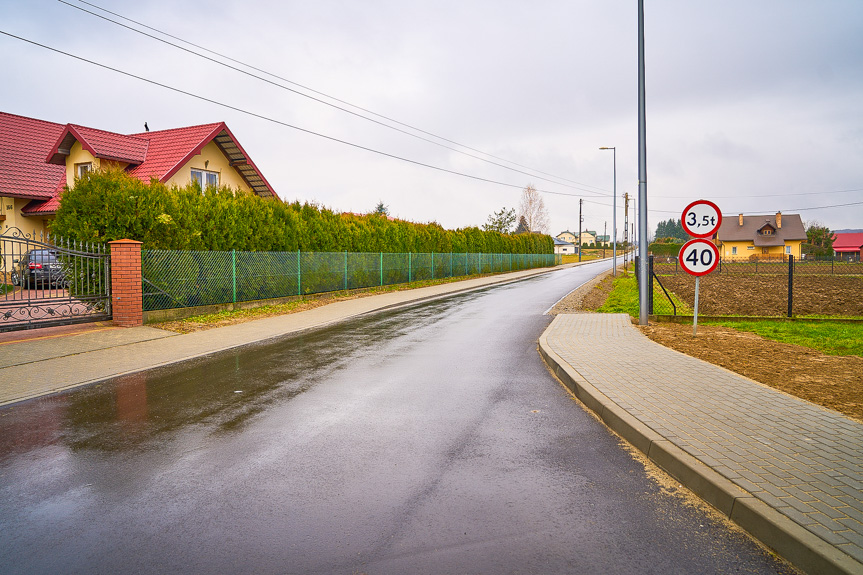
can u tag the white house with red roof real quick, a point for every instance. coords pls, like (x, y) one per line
(38, 159)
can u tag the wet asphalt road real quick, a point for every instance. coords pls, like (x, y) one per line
(430, 439)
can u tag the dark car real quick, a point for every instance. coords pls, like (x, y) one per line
(39, 267)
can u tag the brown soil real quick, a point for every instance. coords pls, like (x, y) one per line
(830, 381)
(767, 295)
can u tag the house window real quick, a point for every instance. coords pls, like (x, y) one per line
(766, 232)
(205, 178)
(765, 250)
(82, 169)
(787, 249)
(734, 250)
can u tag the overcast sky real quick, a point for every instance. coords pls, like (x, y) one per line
(756, 105)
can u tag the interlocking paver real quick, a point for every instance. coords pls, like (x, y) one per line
(804, 461)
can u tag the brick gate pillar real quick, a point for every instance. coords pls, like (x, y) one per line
(126, 300)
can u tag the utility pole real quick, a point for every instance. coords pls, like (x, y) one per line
(580, 219)
(625, 227)
(643, 279)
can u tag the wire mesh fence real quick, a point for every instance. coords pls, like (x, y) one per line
(174, 279)
(781, 287)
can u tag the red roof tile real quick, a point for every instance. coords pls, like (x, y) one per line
(847, 242)
(24, 143)
(170, 149)
(102, 144)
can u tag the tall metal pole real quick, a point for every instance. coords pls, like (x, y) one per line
(643, 283)
(614, 213)
(579, 228)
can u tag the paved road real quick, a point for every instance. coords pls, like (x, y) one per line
(430, 439)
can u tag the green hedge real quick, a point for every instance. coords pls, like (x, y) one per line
(111, 205)
(671, 250)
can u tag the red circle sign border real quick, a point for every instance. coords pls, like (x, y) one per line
(699, 241)
(711, 232)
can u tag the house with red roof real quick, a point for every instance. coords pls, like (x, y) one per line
(848, 246)
(38, 159)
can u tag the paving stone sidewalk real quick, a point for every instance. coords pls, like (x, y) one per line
(752, 449)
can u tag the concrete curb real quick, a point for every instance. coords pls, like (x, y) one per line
(802, 548)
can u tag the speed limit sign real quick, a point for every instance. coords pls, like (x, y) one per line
(698, 257)
(701, 219)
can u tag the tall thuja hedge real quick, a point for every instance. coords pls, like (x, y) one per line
(111, 205)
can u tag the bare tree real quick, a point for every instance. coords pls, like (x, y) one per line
(532, 209)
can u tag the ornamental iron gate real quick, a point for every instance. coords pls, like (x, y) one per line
(48, 281)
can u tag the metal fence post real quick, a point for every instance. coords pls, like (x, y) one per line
(234, 272)
(382, 269)
(790, 283)
(346, 270)
(299, 275)
(432, 265)
(650, 285)
(410, 269)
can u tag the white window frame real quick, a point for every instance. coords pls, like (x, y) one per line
(82, 169)
(788, 249)
(733, 250)
(205, 178)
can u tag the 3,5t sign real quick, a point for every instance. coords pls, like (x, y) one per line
(701, 219)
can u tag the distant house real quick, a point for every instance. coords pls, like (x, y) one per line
(38, 159)
(760, 237)
(562, 247)
(848, 246)
(588, 238)
(566, 236)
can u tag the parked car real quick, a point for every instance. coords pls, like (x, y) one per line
(38, 267)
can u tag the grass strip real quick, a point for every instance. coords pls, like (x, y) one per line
(830, 338)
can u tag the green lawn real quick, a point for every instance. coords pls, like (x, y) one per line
(5, 288)
(829, 337)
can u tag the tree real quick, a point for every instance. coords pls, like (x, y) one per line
(382, 209)
(820, 238)
(522, 226)
(501, 221)
(671, 229)
(532, 209)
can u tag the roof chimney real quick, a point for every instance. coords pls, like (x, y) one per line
(778, 220)
(740, 220)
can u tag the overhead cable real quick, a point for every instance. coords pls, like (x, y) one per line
(578, 186)
(273, 120)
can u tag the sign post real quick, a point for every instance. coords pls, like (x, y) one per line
(699, 256)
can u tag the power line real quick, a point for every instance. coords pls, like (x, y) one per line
(782, 195)
(579, 186)
(273, 120)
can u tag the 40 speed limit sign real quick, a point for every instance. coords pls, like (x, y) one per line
(698, 257)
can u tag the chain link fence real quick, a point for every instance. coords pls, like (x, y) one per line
(175, 279)
(780, 287)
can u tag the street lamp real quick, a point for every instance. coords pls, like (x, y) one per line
(614, 214)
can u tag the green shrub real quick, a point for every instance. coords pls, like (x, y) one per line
(111, 205)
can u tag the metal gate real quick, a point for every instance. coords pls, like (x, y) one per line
(46, 281)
